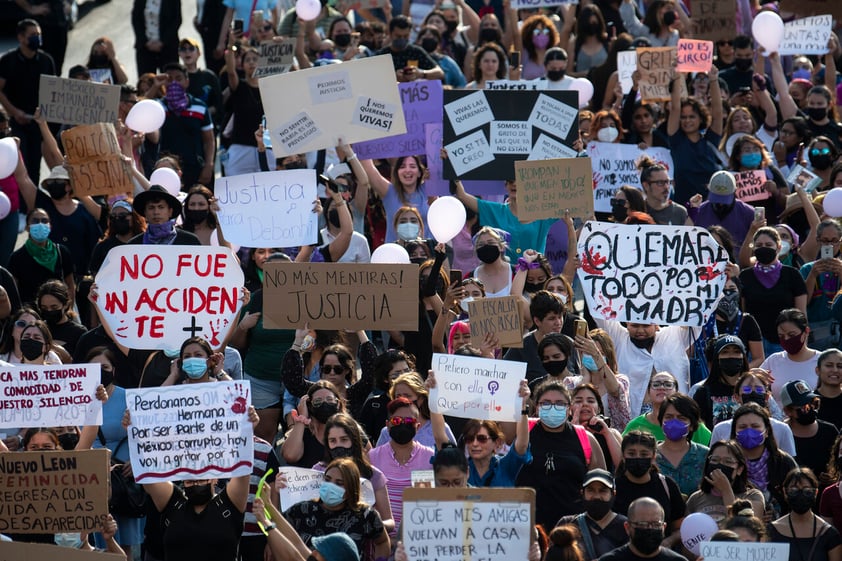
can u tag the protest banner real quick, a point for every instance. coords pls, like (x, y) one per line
(744, 551)
(615, 164)
(470, 387)
(54, 491)
(751, 185)
(190, 431)
(269, 209)
(156, 296)
(714, 20)
(498, 316)
(357, 100)
(275, 57)
(95, 162)
(806, 36)
(51, 395)
(694, 56)
(77, 102)
(422, 104)
(655, 65)
(663, 275)
(799, 176)
(460, 524)
(626, 65)
(532, 4)
(340, 296)
(345, 5)
(546, 188)
(812, 7)
(516, 84)
(22, 551)
(486, 132)
(437, 185)
(303, 485)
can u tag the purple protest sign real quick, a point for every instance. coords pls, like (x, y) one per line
(422, 104)
(556, 250)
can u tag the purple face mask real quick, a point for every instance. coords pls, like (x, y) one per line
(675, 429)
(541, 41)
(750, 438)
(176, 97)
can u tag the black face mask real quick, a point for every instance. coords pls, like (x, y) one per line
(669, 18)
(555, 75)
(451, 26)
(645, 343)
(342, 40)
(324, 411)
(198, 494)
(403, 433)
(555, 367)
(638, 467)
(488, 253)
(68, 440)
(196, 216)
(765, 255)
(57, 190)
(31, 349)
(743, 64)
(296, 164)
(806, 418)
(341, 452)
(816, 113)
(722, 210)
(106, 377)
(52, 317)
(593, 27)
(489, 35)
(800, 501)
(533, 286)
(730, 366)
(820, 161)
(417, 260)
(620, 213)
(727, 471)
(120, 226)
(429, 44)
(597, 509)
(729, 304)
(759, 399)
(647, 541)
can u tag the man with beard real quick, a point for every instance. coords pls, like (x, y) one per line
(602, 529)
(645, 528)
(723, 208)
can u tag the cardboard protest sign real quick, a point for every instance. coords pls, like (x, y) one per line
(77, 102)
(499, 316)
(806, 36)
(275, 57)
(663, 275)
(485, 132)
(626, 65)
(269, 209)
(95, 162)
(155, 296)
(23, 551)
(460, 524)
(303, 485)
(53, 491)
(615, 164)
(422, 104)
(190, 431)
(655, 65)
(546, 188)
(743, 551)
(477, 388)
(812, 7)
(356, 100)
(750, 185)
(340, 296)
(51, 395)
(714, 20)
(694, 56)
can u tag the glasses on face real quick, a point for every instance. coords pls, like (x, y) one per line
(819, 151)
(725, 461)
(832, 241)
(666, 384)
(335, 368)
(397, 421)
(647, 525)
(544, 31)
(39, 220)
(481, 438)
(617, 202)
(723, 43)
(329, 400)
(396, 373)
(186, 48)
(759, 390)
(661, 182)
(557, 405)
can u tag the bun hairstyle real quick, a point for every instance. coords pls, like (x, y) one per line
(647, 166)
(564, 544)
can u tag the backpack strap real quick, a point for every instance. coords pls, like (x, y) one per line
(586, 536)
(666, 487)
(585, 442)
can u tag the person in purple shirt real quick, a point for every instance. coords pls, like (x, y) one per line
(722, 208)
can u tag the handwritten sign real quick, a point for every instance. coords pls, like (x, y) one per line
(357, 100)
(806, 36)
(516, 84)
(191, 431)
(751, 186)
(546, 188)
(53, 491)
(477, 388)
(744, 551)
(303, 485)
(269, 209)
(95, 162)
(714, 20)
(498, 316)
(340, 296)
(531, 4)
(626, 65)
(615, 164)
(22, 551)
(813, 7)
(275, 57)
(664, 275)
(655, 65)
(460, 524)
(77, 102)
(51, 395)
(155, 296)
(694, 56)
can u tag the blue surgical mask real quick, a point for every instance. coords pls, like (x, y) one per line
(552, 417)
(194, 367)
(589, 363)
(408, 231)
(751, 160)
(39, 232)
(331, 494)
(171, 353)
(803, 73)
(68, 540)
(34, 42)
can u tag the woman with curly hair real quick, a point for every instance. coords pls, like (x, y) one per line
(489, 64)
(537, 34)
(606, 127)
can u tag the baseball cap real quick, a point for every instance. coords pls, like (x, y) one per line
(722, 187)
(797, 393)
(724, 340)
(600, 475)
(188, 41)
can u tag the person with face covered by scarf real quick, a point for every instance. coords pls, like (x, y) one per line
(160, 210)
(814, 437)
(722, 208)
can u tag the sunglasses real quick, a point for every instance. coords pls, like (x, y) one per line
(397, 421)
(481, 438)
(472, 280)
(21, 323)
(759, 390)
(544, 31)
(186, 48)
(336, 369)
(617, 202)
(819, 151)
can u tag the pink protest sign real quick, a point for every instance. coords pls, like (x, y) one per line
(694, 56)
(750, 185)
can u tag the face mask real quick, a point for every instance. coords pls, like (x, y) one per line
(68, 540)
(729, 304)
(552, 417)
(451, 26)
(820, 161)
(341, 452)
(638, 467)
(488, 253)
(645, 343)
(296, 164)
(172, 353)
(120, 226)
(541, 41)
(608, 134)
(68, 440)
(792, 344)
(589, 363)
(324, 411)
(39, 232)
(597, 509)
(750, 438)
(106, 377)
(727, 471)
(675, 429)
(647, 541)
(620, 213)
(403, 433)
(533, 286)
(196, 216)
(463, 303)
(743, 64)
(592, 28)
(429, 44)
(669, 18)
(399, 44)
(800, 501)
(555, 367)
(730, 366)
(52, 317)
(417, 260)
(176, 97)
(31, 349)
(765, 255)
(817, 113)
(750, 160)
(331, 494)
(33, 42)
(802, 73)
(555, 75)
(489, 35)
(408, 230)
(786, 247)
(759, 399)
(198, 494)
(342, 40)
(807, 418)
(194, 367)
(56, 190)
(99, 61)
(327, 55)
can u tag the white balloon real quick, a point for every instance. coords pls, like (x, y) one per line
(146, 116)
(446, 217)
(585, 89)
(168, 179)
(5, 205)
(832, 203)
(697, 528)
(308, 9)
(8, 157)
(390, 253)
(768, 30)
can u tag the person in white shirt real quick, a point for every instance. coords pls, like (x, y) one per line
(797, 361)
(358, 250)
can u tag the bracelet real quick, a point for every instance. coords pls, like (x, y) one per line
(351, 158)
(270, 527)
(334, 204)
(525, 411)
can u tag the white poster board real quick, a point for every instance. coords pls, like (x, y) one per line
(614, 165)
(626, 65)
(744, 551)
(52, 395)
(303, 485)
(806, 36)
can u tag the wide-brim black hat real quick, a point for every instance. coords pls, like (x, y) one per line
(156, 192)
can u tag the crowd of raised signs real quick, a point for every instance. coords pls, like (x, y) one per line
(637, 410)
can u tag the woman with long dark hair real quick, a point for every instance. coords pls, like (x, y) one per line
(199, 213)
(725, 481)
(404, 188)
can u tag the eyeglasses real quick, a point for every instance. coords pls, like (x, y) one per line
(618, 202)
(759, 390)
(481, 438)
(731, 462)
(819, 151)
(329, 400)
(723, 43)
(397, 421)
(557, 405)
(647, 525)
(335, 368)
(39, 220)
(186, 48)
(829, 242)
(544, 31)
(661, 182)
(666, 384)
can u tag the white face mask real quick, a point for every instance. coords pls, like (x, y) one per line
(785, 248)
(608, 134)
(463, 303)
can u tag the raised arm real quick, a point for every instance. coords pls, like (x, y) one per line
(238, 487)
(339, 246)
(363, 185)
(283, 541)
(785, 101)
(49, 146)
(522, 438)
(380, 184)
(810, 247)
(674, 120)
(715, 101)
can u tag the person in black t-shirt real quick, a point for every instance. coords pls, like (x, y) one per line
(646, 531)
(829, 387)
(814, 438)
(605, 528)
(715, 395)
